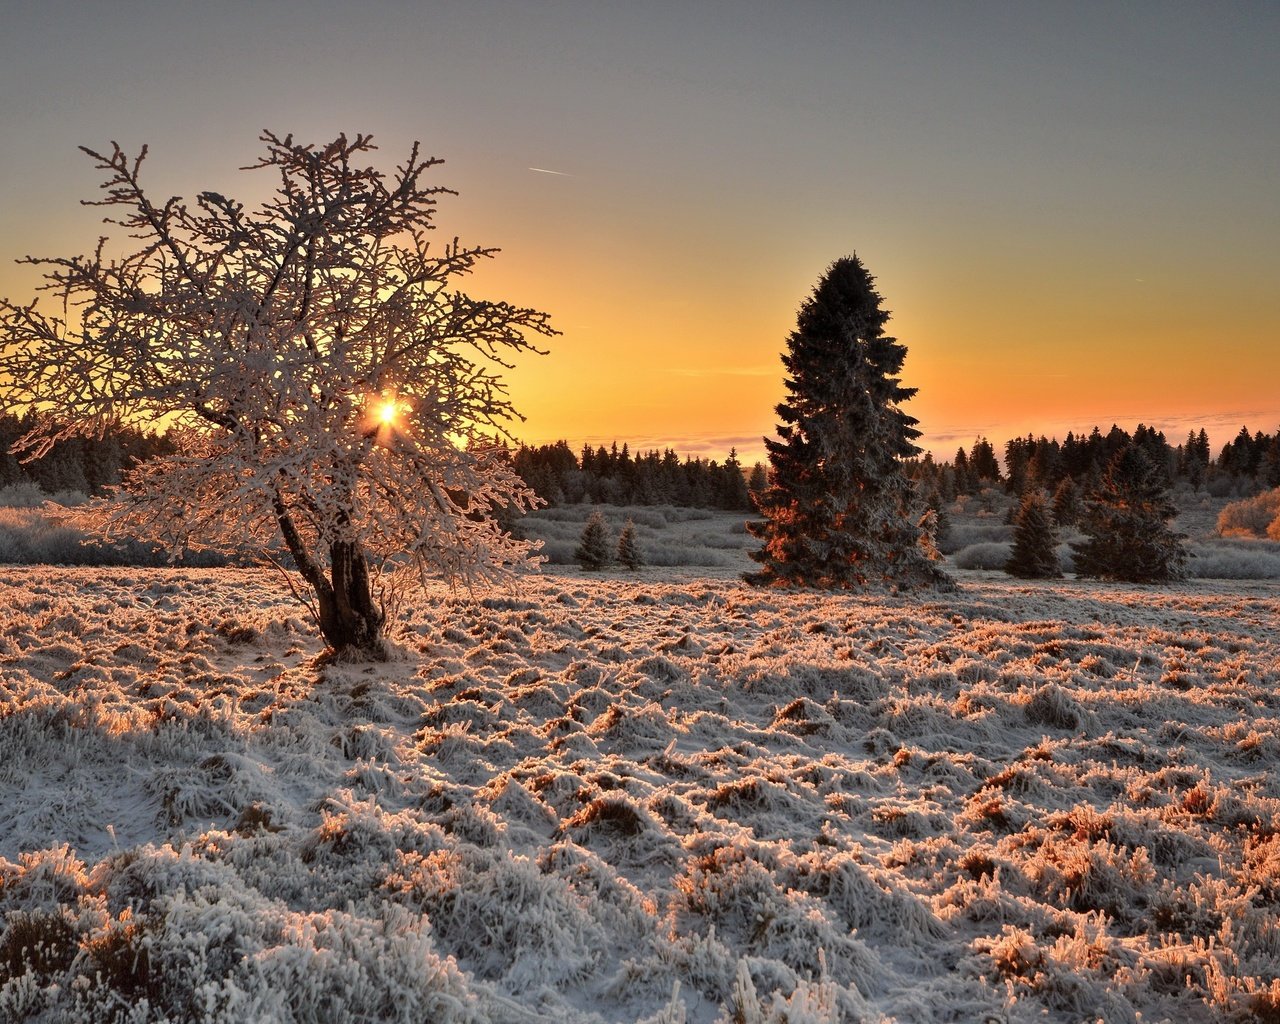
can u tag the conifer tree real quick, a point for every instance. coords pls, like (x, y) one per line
(734, 495)
(1126, 525)
(1035, 541)
(838, 512)
(593, 546)
(757, 482)
(1066, 503)
(628, 548)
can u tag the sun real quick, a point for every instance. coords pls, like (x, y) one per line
(384, 415)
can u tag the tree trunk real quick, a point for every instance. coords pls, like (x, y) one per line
(350, 619)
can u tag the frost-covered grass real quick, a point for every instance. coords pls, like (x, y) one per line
(977, 540)
(608, 800)
(34, 536)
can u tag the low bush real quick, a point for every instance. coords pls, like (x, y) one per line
(959, 536)
(991, 555)
(1235, 560)
(29, 536)
(28, 495)
(1258, 516)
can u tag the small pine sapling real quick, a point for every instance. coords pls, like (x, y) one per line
(1035, 541)
(593, 547)
(628, 548)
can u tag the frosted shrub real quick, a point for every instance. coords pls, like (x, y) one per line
(22, 495)
(1235, 560)
(991, 556)
(1251, 517)
(962, 535)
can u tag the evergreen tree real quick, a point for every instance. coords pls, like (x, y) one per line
(1126, 525)
(593, 546)
(757, 483)
(1035, 541)
(1271, 462)
(1192, 464)
(734, 495)
(628, 548)
(838, 512)
(936, 503)
(964, 480)
(983, 464)
(1067, 504)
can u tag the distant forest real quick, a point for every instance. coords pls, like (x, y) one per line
(83, 466)
(1249, 463)
(614, 476)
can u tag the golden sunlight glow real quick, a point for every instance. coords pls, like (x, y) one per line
(387, 412)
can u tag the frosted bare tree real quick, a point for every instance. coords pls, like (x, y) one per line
(327, 386)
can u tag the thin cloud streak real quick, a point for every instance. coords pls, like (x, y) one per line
(731, 371)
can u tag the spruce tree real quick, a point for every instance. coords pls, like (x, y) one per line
(1066, 503)
(838, 510)
(1035, 541)
(1126, 525)
(758, 481)
(593, 546)
(628, 548)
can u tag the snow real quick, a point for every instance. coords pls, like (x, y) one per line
(663, 797)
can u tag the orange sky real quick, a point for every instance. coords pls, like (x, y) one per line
(1071, 210)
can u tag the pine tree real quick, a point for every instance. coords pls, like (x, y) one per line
(757, 483)
(1035, 541)
(733, 495)
(628, 548)
(1066, 503)
(593, 546)
(1126, 525)
(838, 512)
(983, 463)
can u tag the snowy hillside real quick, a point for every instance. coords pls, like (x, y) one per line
(677, 799)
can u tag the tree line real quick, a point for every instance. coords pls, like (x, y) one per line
(613, 476)
(1247, 464)
(85, 464)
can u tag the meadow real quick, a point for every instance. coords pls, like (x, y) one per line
(647, 797)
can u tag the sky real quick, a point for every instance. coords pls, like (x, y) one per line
(1071, 209)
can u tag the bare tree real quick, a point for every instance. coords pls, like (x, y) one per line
(325, 383)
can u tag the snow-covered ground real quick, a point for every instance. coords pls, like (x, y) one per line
(663, 798)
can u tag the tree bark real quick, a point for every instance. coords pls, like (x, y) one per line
(350, 619)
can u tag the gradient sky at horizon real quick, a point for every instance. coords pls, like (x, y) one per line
(1071, 208)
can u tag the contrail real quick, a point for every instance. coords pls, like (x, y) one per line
(543, 170)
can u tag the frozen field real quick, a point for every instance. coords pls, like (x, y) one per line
(662, 798)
